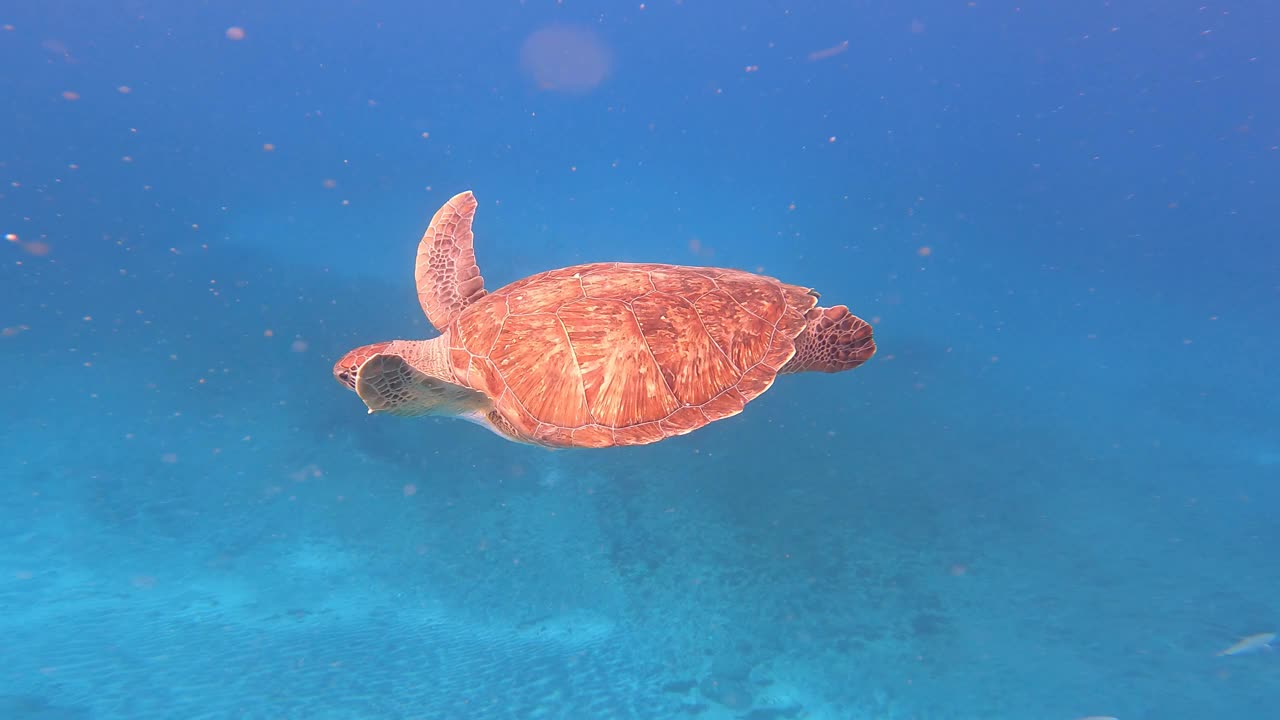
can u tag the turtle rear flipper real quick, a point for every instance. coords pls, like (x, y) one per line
(389, 384)
(834, 340)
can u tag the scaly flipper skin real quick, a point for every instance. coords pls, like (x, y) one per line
(389, 384)
(834, 340)
(447, 276)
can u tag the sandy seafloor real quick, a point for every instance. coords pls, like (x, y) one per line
(200, 523)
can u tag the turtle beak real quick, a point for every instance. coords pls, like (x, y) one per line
(346, 370)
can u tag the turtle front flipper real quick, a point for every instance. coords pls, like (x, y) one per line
(387, 383)
(446, 272)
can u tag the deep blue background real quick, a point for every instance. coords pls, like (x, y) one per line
(1052, 493)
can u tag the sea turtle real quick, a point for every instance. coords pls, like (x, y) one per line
(595, 355)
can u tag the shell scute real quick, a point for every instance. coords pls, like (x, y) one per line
(742, 337)
(460, 361)
(641, 434)
(478, 326)
(623, 285)
(764, 300)
(673, 281)
(730, 402)
(536, 361)
(757, 380)
(484, 376)
(684, 420)
(545, 295)
(592, 436)
(693, 365)
(520, 419)
(620, 377)
(553, 435)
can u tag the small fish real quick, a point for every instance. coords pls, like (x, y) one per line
(1250, 643)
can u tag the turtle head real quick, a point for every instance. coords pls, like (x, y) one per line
(344, 371)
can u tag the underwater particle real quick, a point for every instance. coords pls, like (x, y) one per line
(124, 89)
(268, 333)
(831, 139)
(299, 346)
(235, 32)
(752, 68)
(37, 248)
(169, 458)
(832, 51)
(1249, 644)
(917, 26)
(310, 470)
(924, 251)
(329, 183)
(565, 58)
(70, 95)
(410, 490)
(268, 147)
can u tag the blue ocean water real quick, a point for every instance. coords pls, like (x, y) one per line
(1051, 495)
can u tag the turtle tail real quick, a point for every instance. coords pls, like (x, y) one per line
(833, 340)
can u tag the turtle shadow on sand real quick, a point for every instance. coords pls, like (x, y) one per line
(736, 684)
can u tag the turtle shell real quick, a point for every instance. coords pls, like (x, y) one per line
(626, 354)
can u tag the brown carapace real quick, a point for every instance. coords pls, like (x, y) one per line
(596, 355)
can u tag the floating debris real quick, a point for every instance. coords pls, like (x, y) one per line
(832, 51)
(1250, 643)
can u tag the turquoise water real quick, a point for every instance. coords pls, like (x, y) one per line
(1051, 495)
